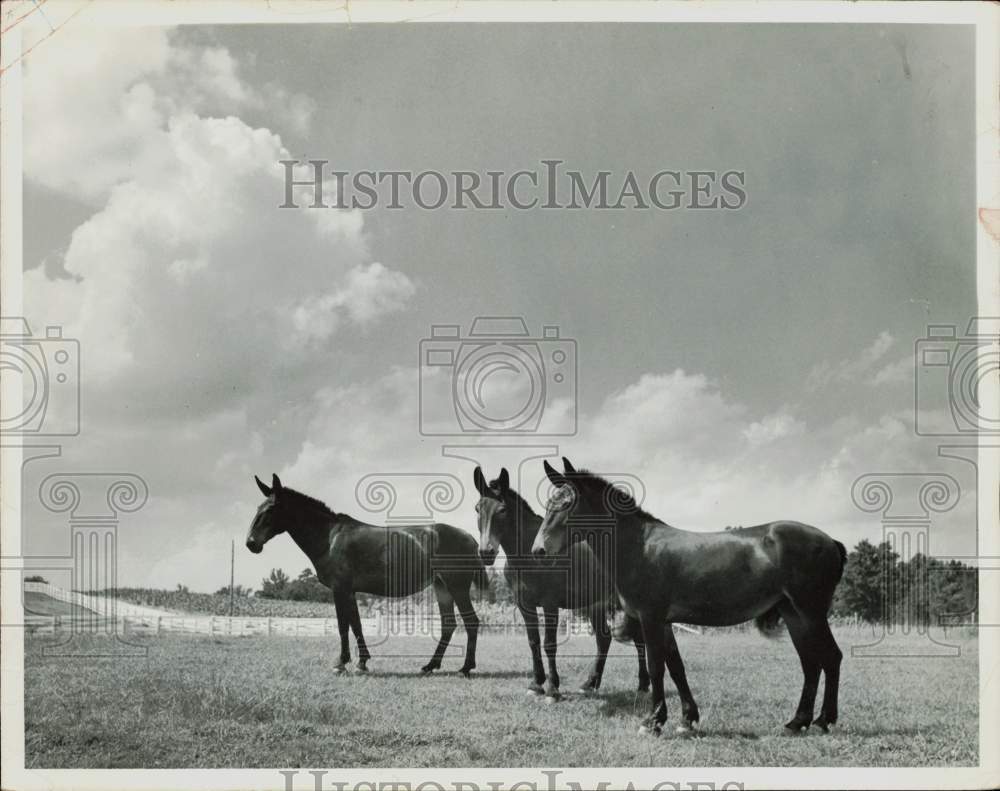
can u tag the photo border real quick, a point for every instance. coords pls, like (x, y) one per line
(106, 13)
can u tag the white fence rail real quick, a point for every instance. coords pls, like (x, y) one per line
(102, 605)
(106, 614)
(147, 620)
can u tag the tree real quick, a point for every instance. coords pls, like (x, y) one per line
(239, 590)
(868, 577)
(499, 590)
(274, 586)
(954, 592)
(36, 578)
(307, 587)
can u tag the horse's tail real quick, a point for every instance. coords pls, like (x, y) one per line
(769, 623)
(843, 559)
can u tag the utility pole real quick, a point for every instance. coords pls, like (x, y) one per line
(232, 575)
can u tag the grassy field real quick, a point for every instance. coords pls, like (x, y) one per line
(260, 702)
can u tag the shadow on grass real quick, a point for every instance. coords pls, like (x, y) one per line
(442, 673)
(624, 702)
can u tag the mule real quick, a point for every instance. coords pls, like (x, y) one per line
(507, 522)
(352, 557)
(779, 571)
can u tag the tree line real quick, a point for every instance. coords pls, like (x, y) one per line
(879, 587)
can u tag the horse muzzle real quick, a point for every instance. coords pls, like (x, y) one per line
(255, 546)
(488, 556)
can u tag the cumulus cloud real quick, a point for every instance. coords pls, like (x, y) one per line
(705, 459)
(897, 372)
(191, 271)
(852, 369)
(200, 307)
(97, 104)
(188, 271)
(772, 428)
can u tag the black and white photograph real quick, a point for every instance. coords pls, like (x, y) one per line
(500, 395)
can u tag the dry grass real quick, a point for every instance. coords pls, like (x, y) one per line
(258, 702)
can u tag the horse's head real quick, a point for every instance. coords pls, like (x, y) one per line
(495, 514)
(267, 523)
(554, 536)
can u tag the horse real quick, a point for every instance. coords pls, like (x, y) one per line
(779, 571)
(351, 556)
(507, 522)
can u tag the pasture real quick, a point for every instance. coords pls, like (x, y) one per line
(266, 702)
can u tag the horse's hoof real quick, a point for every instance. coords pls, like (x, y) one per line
(361, 670)
(685, 728)
(536, 691)
(427, 670)
(650, 730)
(821, 723)
(588, 692)
(338, 669)
(467, 672)
(794, 728)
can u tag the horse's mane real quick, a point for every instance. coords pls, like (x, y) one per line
(613, 496)
(300, 500)
(514, 496)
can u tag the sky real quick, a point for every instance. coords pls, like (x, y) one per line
(744, 365)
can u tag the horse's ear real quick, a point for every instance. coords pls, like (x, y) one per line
(554, 477)
(480, 482)
(567, 467)
(262, 486)
(503, 481)
(276, 484)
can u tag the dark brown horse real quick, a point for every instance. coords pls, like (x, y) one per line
(784, 570)
(350, 556)
(507, 522)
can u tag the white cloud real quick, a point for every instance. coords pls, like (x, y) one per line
(368, 292)
(898, 372)
(96, 104)
(772, 428)
(705, 461)
(825, 373)
(200, 306)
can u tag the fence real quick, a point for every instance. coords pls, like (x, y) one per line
(135, 619)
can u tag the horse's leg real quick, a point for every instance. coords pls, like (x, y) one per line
(551, 621)
(805, 645)
(446, 605)
(640, 650)
(689, 709)
(830, 656)
(632, 629)
(530, 616)
(363, 653)
(652, 632)
(342, 605)
(602, 634)
(463, 599)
